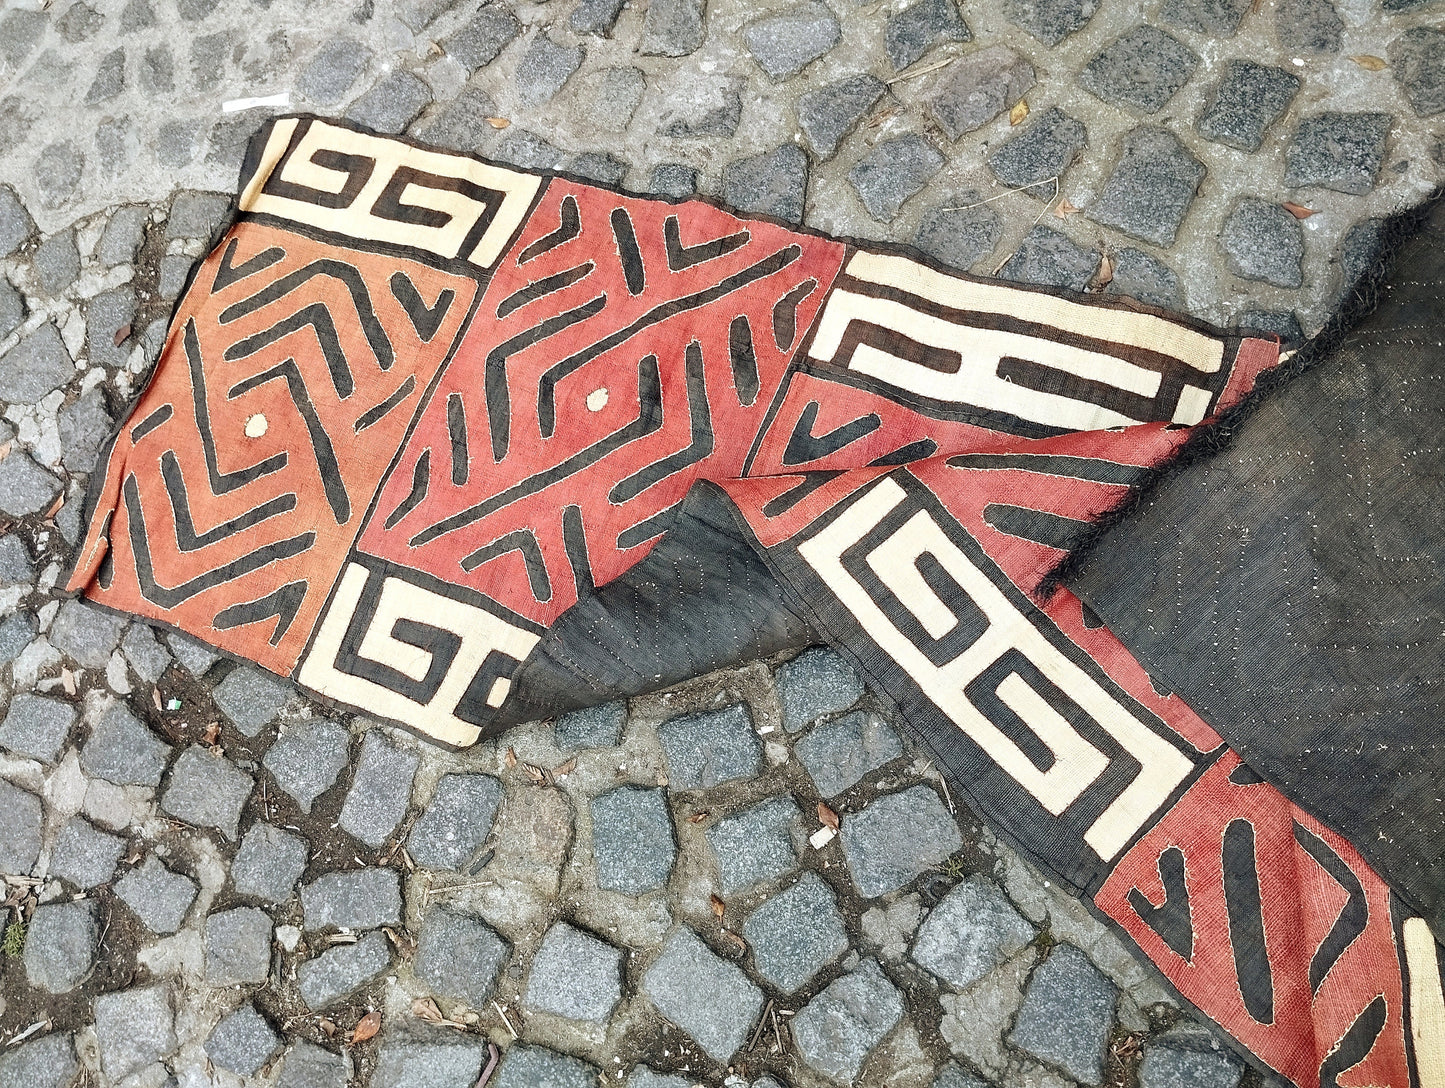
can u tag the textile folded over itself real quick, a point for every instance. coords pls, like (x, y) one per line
(462, 445)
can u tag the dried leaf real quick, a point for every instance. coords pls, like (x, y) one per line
(699, 817)
(1019, 112)
(1065, 209)
(1105, 275)
(719, 908)
(1369, 63)
(509, 757)
(425, 1008)
(156, 697)
(498, 122)
(122, 334)
(735, 939)
(537, 774)
(366, 1028)
(827, 817)
(1299, 211)
(213, 732)
(562, 770)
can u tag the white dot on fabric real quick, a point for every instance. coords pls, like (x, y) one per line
(597, 400)
(256, 426)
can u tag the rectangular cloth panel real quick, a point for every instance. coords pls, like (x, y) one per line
(421, 422)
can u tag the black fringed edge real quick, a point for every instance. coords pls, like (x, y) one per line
(1209, 439)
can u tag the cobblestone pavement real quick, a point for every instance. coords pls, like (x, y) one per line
(212, 881)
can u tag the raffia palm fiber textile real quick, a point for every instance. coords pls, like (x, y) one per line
(460, 445)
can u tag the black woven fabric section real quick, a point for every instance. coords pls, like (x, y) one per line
(1291, 586)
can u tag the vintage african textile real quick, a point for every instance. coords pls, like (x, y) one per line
(461, 445)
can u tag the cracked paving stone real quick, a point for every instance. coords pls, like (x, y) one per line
(60, 945)
(307, 1065)
(772, 183)
(207, 790)
(1041, 151)
(238, 946)
(105, 315)
(710, 747)
(268, 864)
(596, 16)
(1188, 1056)
(145, 653)
(12, 308)
(392, 104)
(674, 179)
(1067, 1012)
(134, 1028)
(897, 838)
(34, 367)
(16, 226)
(544, 67)
(787, 42)
(56, 262)
(836, 1030)
(892, 172)
(84, 427)
(1050, 21)
(429, 1065)
(242, 1042)
(36, 726)
(1417, 58)
(1249, 99)
(330, 74)
(972, 930)
(574, 975)
(159, 897)
(535, 1067)
(756, 844)
(815, 683)
(109, 78)
(84, 855)
(343, 969)
(47, 1062)
(57, 172)
(251, 698)
(977, 87)
(456, 822)
(959, 235)
(20, 827)
(1140, 276)
(1151, 188)
(122, 750)
(1262, 241)
(593, 727)
(123, 235)
(831, 112)
(837, 754)
(606, 100)
(919, 27)
(1217, 17)
(85, 633)
(704, 995)
(478, 42)
(1050, 257)
(1142, 70)
(458, 956)
(380, 790)
(796, 933)
(632, 840)
(672, 28)
(1339, 151)
(356, 899)
(307, 758)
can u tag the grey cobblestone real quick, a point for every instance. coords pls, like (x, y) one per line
(342, 969)
(356, 899)
(796, 933)
(458, 956)
(960, 232)
(979, 86)
(913, 31)
(135, 1028)
(83, 855)
(785, 43)
(1151, 188)
(772, 183)
(973, 930)
(307, 759)
(705, 996)
(60, 945)
(575, 975)
(757, 844)
(1263, 241)
(25, 487)
(20, 826)
(1249, 99)
(839, 753)
(837, 1029)
(122, 750)
(380, 790)
(828, 114)
(36, 726)
(1339, 151)
(458, 820)
(268, 864)
(892, 172)
(1066, 1015)
(47, 1062)
(251, 697)
(711, 747)
(525, 1066)
(896, 838)
(428, 1065)
(632, 840)
(34, 367)
(242, 1042)
(307, 1065)
(159, 897)
(238, 946)
(1052, 259)
(208, 790)
(1141, 70)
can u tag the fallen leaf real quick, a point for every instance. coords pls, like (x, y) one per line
(730, 935)
(537, 774)
(719, 908)
(1105, 275)
(402, 940)
(827, 817)
(562, 770)
(213, 731)
(425, 1008)
(1299, 211)
(509, 757)
(1019, 112)
(1065, 208)
(366, 1028)
(498, 122)
(1369, 63)
(699, 817)
(122, 334)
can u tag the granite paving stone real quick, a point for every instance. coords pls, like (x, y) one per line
(238, 946)
(602, 168)
(462, 123)
(1050, 257)
(36, 726)
(105, 315)
(596, 16)
(477, 42)
(959, 232)
(537, 1067)
(1141, 276)
(85, 425)
(1151, 187)
(122, 750)
(196, 214)
(1050, 21)
(330, 74)
(575, 975)
(607, 98)
(839, 753)
(145, 653)
(1281, 323)
(1262, 241)
(35, 366)
(175, 268)
(123, 235)
(307, 1065)
(977, 87)
(109, 78)
(815, 683)
(897, 838)
(56, 262)
(16, 226)
(1188, 1056)
(704, 995)
(632, 840)
(674, 179)
(20, 827)
(251, 698)
(354, 899)
(380, 790)
(392, 104)
(12, 308)
(756, 844)
(242, 1042)
(1220, 18)
(971, 931)
(456, 822)
(704, 105)
(1360, 252)
(194, 655)
(343, 969)
(831, 112)
(207, 790)
(785, 43)
(1042, 151)
(57, 172)
(159, 897)
(593, 727)
(307, 758)
(84, 855)
(458, 956)
(1417, 58)
(771, 183)
(60, 945)
(710, 747)
(796, 933)
(268, 864)
(1308, 26)
(1066, 1015)
(526, 149)
(158, 70)
(85, 633)
(134, 1028)
(1339, 151)
(1249, 99)
(672, 28)
(953, 1075)
(15, 565)
(46, 1062)
(1142, 70)
(916, 29)
(452, 1064)
(544, 67)
(16, 631)
(645, 1077)
(836, 1031)
(892, 172)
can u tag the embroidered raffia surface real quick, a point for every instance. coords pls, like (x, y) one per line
(461, 446)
